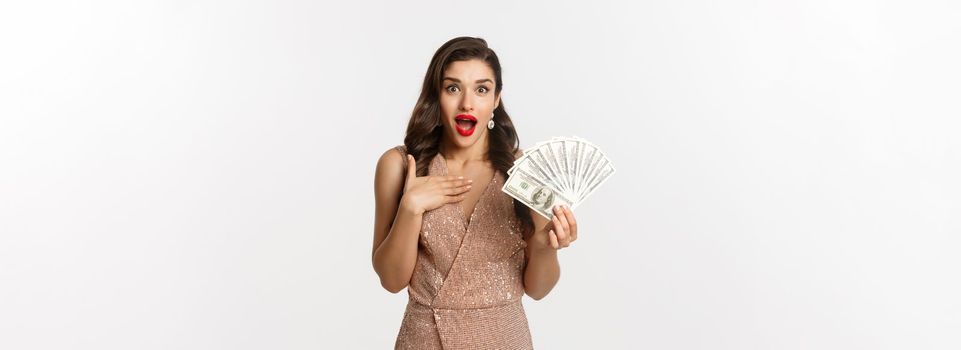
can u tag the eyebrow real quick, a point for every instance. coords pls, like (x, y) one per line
(476, 82)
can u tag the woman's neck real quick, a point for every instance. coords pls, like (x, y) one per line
(475, 152)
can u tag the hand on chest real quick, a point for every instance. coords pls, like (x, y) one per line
(482, 173)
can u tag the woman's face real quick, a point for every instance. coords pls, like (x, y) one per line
(467, 101)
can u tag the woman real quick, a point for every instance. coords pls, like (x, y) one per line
(466, 253)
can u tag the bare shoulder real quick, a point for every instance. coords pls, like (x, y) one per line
(390, 166)
(389, 180)
(392, 156)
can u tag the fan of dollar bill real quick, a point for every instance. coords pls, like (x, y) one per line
(564, 170)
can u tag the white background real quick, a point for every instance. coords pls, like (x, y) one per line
(199, 174)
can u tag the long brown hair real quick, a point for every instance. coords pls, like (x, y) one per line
(425, 128)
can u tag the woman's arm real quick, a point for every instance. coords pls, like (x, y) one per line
(402, 199)
(396, 226)
(543, 269)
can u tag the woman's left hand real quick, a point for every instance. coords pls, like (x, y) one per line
(558, 233)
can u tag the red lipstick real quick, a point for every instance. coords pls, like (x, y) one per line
(465, 124)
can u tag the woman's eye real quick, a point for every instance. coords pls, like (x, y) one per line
(452, 88)
(482, 89)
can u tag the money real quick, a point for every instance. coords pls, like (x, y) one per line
(534, 193)
(568, 167)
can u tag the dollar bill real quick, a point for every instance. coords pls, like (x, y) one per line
(569, 166)
(534, 193)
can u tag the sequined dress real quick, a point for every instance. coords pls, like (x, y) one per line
(466, 288)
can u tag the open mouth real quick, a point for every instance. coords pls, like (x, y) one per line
(465, 124)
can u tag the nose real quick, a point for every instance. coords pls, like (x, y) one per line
(466, 104)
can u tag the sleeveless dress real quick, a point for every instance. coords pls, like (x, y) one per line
(466, 288)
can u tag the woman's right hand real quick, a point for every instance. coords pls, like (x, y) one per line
(423, 193)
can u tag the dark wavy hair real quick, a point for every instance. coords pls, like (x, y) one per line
(425, 128)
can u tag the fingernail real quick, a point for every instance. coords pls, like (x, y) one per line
(460, 177)
(470, 181)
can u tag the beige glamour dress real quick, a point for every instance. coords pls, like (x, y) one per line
(466, 289)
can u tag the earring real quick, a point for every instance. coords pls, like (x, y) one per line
(490, 124)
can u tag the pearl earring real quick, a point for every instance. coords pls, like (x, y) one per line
(490, 124)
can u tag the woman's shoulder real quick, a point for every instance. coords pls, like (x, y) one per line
(393, 160)
(397, 152)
